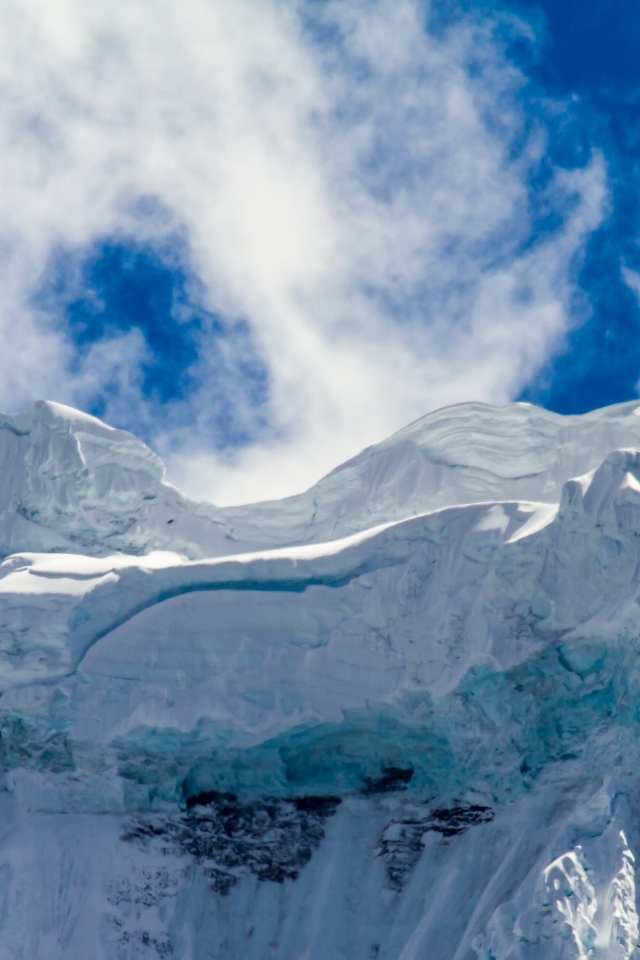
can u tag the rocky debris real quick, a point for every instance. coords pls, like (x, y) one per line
(138, 944)
(146, 888)
(271, 839)
(137, 928)
(454, 820)
(402, 841)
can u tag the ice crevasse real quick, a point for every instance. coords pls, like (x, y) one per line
(396, 716)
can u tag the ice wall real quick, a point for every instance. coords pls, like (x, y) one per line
(416, 738)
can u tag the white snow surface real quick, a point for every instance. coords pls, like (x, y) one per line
(395, 717)
(72, 484)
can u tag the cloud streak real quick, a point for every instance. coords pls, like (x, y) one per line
(355, 188)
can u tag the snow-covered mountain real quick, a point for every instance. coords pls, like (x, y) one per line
(395, 717)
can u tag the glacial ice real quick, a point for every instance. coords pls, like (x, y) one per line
(394, 717)
(73, 484)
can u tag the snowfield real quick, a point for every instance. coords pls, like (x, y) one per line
(394, 717)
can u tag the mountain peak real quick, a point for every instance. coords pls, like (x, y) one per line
(73, 483)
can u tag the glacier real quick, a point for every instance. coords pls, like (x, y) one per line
(396, 716)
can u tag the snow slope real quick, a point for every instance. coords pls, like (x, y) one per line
(401, 722)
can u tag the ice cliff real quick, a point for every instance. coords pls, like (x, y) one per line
(394, 717)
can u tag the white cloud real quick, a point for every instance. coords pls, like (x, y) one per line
(632, 279)
(362, 200)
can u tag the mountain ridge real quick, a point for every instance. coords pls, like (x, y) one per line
(75, 484)
(416, 739)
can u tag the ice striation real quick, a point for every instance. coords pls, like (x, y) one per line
(72, 484)
(394, 717)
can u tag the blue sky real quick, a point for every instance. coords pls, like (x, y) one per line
(590, 51)
(262, 235)
(115, 287)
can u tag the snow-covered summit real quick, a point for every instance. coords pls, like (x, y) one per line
(468, 453)
(73, 484)
(68, 479)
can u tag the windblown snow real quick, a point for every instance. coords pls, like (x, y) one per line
(394, 717)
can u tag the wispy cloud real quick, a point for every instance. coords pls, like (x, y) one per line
(353, 187)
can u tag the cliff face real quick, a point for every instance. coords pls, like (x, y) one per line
(401, 723)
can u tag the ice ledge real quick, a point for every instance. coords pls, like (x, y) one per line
(440, 645)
